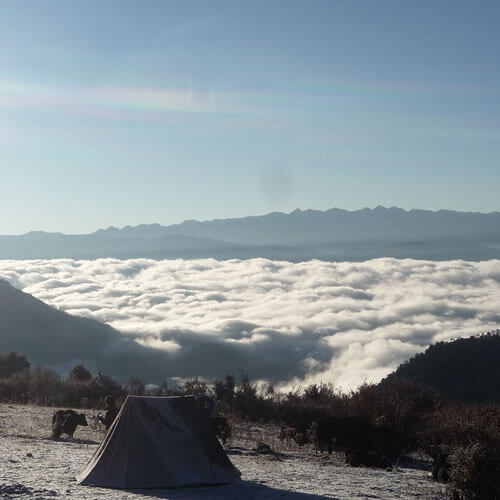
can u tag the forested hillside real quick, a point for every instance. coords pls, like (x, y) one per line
(465, 369)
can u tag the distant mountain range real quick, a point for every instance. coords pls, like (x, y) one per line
(333, 234)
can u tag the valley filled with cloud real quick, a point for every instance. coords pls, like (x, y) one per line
(286, 323)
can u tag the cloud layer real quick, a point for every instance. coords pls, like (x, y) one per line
(289, 323)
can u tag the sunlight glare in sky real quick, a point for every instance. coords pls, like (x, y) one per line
(125, 112)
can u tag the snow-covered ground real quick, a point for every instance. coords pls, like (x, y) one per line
(33, 466)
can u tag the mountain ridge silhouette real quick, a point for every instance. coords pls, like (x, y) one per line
(333, 234)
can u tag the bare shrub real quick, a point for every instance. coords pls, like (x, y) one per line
(135, 386)
(475, 473)
(46, 386)
(16, 388)
(473, 434)
(79, 374)
(11, 363)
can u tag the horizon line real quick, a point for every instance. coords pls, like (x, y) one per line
(274, 212)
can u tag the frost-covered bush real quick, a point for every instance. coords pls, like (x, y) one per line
(473, 435)
(16, 388)
(46, 386)
(475, 472)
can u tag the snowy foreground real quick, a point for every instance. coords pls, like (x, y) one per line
(33, 466)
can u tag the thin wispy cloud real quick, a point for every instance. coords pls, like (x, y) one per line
(288, 323)
(117, 101)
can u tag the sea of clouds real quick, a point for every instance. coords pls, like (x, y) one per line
(289, 323)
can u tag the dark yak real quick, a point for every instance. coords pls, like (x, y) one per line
(355, 434)
(65, 421)
(343, 433)
(368, 458)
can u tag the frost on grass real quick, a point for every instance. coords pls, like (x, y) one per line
(33, 466)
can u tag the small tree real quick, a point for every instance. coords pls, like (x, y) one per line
(135, 387)
(196, 387)
(104, 385)
(12, 363)
(224, 390)
(246, 397)
(46, 386)
(19, 384)
(79, 374)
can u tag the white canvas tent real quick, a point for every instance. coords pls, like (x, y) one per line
(159, 443)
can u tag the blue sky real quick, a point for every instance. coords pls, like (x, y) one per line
(126, 112)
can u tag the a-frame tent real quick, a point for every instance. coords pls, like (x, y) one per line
(159, 442)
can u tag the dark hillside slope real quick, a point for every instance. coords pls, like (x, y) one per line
(54, 338)
(464, 370)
